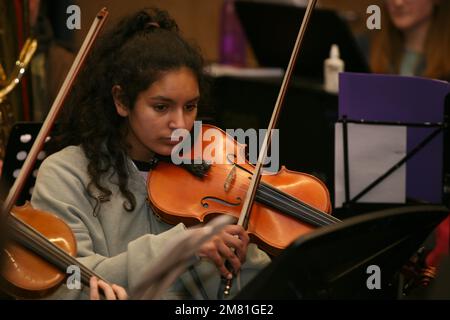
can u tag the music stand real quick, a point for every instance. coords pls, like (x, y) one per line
(20, 141)
(332, 262)
(413, 103)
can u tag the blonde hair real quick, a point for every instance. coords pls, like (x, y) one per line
(388, 46)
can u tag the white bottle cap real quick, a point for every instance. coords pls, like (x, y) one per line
(332, 67)
(334, 52)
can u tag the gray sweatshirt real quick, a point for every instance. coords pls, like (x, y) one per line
(113, 242)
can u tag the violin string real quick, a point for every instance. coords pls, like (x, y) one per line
(50, 250)
(43, 249)
(275, 203)
(293, 207)
(295, 202)
(327, 219)
(43, 253)
(47, 249)
(311, 213)
(58, 262)
(284, 206)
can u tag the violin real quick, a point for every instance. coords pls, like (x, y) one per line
(42, 245)
(41, 249)
(288, 204)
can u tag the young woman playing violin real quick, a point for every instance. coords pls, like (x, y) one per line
(141, 82)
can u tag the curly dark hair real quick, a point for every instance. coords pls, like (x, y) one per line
(134, 54)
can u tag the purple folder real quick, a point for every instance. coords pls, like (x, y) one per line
(394, 98)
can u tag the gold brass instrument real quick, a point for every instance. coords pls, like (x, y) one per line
(25, 56)
(7, 84)
(2, 75)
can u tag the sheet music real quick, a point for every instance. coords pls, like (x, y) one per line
(373, 149)
(179, 255)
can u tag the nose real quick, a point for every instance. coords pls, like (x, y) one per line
(177, 120)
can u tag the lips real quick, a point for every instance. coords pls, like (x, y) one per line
(400, 13)
(170, 142)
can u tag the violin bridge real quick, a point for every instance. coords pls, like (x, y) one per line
(230, 178)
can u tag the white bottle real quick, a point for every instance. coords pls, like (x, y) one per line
(332, 67)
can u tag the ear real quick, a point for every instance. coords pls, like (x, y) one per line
(117, 93)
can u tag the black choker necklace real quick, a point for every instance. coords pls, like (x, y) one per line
(144, 165)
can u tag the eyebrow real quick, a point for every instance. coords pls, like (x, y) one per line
(166, 99)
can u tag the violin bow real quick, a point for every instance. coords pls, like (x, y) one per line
(44, 132)
(256, 177)
(38, 144)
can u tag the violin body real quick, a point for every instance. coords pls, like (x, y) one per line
(26, 274)
(176, 195)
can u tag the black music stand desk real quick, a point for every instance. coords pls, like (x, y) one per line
(332, 262)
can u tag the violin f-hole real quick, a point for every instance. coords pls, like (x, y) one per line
(205, 203)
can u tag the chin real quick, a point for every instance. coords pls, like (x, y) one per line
(404, 23)
(164, 150)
